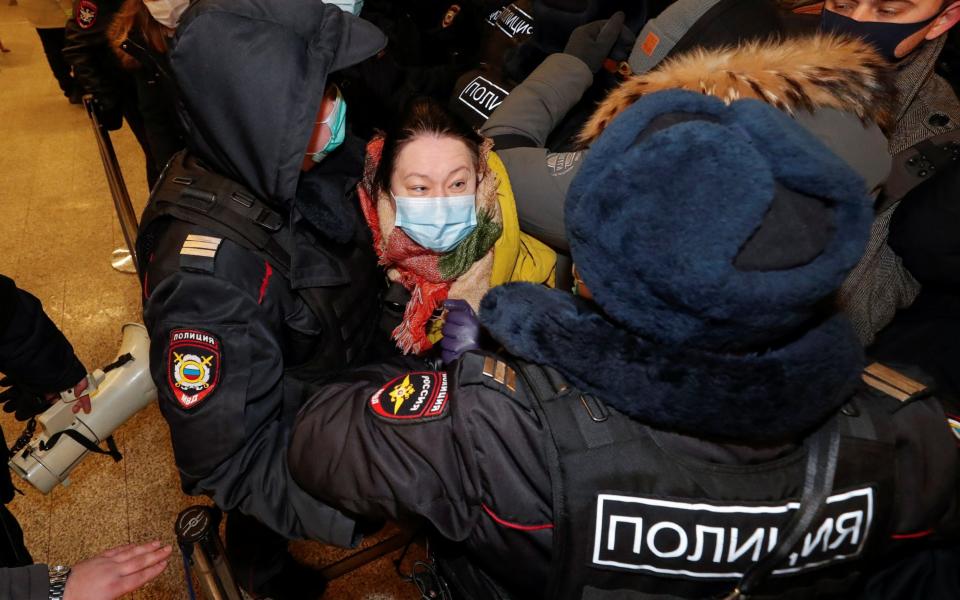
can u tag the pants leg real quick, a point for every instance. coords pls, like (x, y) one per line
(256, 553)
(53, 40)
(131, 113)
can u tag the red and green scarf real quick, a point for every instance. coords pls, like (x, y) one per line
(425, 273)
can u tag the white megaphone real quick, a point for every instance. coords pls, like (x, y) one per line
(116, 392)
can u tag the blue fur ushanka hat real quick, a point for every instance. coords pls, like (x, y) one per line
(713, 239)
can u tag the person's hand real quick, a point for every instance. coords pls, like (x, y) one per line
(116, 571)
(461, 330)
(83, 401)
(23, 402)
(593, 42)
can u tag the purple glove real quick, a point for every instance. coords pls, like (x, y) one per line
(461, 330)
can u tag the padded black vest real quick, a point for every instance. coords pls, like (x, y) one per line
(635, 520)
(347, 307)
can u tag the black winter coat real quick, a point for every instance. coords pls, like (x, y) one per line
(95, 67)
(32, 349)
(35, 354)
(227, 325)
(465, 452)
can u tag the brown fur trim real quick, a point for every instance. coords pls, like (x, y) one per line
(803, 73)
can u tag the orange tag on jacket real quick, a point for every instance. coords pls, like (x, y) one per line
(650, 44)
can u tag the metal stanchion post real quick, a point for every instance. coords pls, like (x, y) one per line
(118, 189)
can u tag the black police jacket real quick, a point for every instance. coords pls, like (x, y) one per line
(474, 454)
(87, 50)
(480, 90)
(235, 331)
(255, 275)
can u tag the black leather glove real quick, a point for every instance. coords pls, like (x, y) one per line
(595, 41)
(23, 402)
(461, 330)
(110, 116)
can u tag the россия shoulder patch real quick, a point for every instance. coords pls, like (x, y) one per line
(412, 398)
(193, 365)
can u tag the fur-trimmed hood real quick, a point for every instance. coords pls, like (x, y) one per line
(798, 74)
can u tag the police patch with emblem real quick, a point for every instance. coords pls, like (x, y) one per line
(412, 398)
(193, 365)
(86, 14)
(954, 422)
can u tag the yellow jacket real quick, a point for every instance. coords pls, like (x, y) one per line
(516, 255)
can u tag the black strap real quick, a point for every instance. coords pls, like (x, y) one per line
(121, 360)
(193, 194)
(823, 448)
(79, 438)
(545, 382)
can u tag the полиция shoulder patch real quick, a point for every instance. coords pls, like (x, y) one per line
(193, 365)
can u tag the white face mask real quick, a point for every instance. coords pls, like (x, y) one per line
(349, 6)
(167, 12)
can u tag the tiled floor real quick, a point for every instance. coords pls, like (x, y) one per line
(57, 232)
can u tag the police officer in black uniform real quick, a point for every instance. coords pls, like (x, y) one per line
(696, 427)
(97, 71)
(258, 272)
(516, 36)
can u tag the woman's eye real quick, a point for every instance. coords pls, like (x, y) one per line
(459, 185)
(420, 189)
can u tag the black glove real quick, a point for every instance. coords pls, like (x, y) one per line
(23, 402)
(461, 330)
(110, 116)
(594, 41)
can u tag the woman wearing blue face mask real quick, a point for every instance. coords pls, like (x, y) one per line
(444, 221)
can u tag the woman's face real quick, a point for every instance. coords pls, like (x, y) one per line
(432, 166)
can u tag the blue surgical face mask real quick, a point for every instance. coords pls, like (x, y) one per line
(347, 6)
(437, 223)
(337, 121)
(885, 37)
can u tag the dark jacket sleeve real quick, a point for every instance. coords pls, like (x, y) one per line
(925, 230)
(87, 51)
(25, 583)
(231, 444)
(482, 453)
(160, 121)
(32, 350)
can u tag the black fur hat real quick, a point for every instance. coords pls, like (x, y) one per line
(713, 239)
